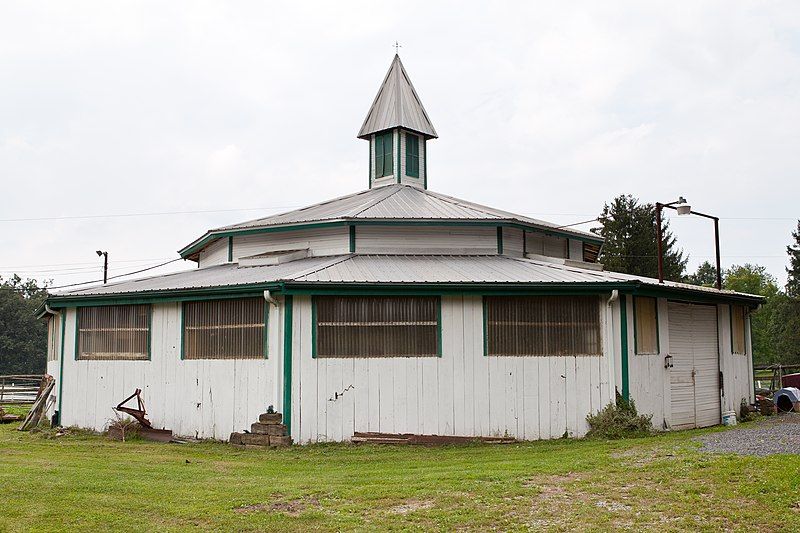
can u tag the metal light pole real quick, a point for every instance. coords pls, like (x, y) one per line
(104, 255)
(683, 208)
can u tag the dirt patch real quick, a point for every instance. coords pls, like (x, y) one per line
(289, 507)
(411, 506)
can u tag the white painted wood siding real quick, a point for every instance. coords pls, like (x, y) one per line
(737, 369)
(200, 398)
(319, 241)
(425, 239)
(215, 253)
(461, 393)
(513, 244)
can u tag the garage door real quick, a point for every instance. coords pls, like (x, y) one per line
(694, 377)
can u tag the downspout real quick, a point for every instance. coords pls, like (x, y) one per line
(612, 376)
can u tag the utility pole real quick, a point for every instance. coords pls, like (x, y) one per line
(104, 255)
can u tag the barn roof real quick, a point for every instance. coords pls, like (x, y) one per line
(404, 271)
(397, 105)
(397, 202)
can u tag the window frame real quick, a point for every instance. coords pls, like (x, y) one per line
(77, 354)
(53, 337)
(315, 324)
(636, 328)
(600, 329)
(264, 339)
(744, 329)
(386, 159)
(412, 156)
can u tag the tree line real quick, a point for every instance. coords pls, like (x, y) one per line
(629, 230)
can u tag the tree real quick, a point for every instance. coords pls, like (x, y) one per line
(793, 285)
(706, 275)
(629, 230)
(754, 279)
(23, 338)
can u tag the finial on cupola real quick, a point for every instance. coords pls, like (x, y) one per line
(397, 128)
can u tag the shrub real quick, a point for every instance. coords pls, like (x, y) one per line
(619, 421)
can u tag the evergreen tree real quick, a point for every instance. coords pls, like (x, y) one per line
(629, 230)
(706, 275)
(793, 285)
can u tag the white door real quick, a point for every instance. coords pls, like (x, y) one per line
(694, 377)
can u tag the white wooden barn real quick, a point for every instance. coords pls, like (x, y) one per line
(398, 310)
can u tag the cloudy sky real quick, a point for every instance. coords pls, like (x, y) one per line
(219, 112)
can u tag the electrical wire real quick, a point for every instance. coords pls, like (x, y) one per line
(118, 275)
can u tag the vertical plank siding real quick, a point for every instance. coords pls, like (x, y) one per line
(462, 393)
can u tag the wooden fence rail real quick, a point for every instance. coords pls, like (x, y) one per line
(19, 389)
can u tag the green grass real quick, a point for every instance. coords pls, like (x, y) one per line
(84, 482)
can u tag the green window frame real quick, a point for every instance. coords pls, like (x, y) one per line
(384, 148)
(228, 329)
(113, 333)
(412, 155)
(376, 326)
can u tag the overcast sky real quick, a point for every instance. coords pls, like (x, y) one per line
(250, 108)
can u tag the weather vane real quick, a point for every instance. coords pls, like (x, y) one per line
(397, 47)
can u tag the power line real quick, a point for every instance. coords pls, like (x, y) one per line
(117, 276)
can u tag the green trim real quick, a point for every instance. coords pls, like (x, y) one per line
(183, 331)
(287, 363)
(61, 365)
(485, 327)
(313, 327)
(623, 326)
(213, 235)
(352, 239)
(369, 163)
(178, 295)
(230, 248)
(399, 146)
(636, 328)
(499, 240)
(406, 289)
(439, 327)
(425, 163)
(412, 152)
(524, 243)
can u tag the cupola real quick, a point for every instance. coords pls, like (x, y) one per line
(397, 128)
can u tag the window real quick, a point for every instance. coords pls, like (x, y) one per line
(376, 326)
(384, 162)
(412, 155)
(738, 326)
(225, 329)
(114, 332)
(591, 252)
(542, 325)
(645, 316)
(53, 333)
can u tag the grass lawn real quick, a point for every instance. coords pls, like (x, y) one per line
(85, 482)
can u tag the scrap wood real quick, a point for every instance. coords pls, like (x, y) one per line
(6, 418)
(39, 406)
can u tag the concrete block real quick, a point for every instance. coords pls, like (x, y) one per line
(270, 418)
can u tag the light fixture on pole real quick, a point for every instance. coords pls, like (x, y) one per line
(104, 255)
(683, 208)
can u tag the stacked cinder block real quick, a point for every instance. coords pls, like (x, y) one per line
(268, 432)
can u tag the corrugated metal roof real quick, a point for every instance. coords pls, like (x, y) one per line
(384, 270)
(397, 202)
(397, 105)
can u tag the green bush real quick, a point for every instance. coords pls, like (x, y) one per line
(619, 421)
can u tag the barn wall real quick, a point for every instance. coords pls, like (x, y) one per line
(513, 242)
(461, 393)
(319, 241)
(206, 399)
(426, 239)
(736, 368)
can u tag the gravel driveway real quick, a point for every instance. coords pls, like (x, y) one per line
(768, 436)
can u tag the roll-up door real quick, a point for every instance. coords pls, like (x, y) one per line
(694, 377)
